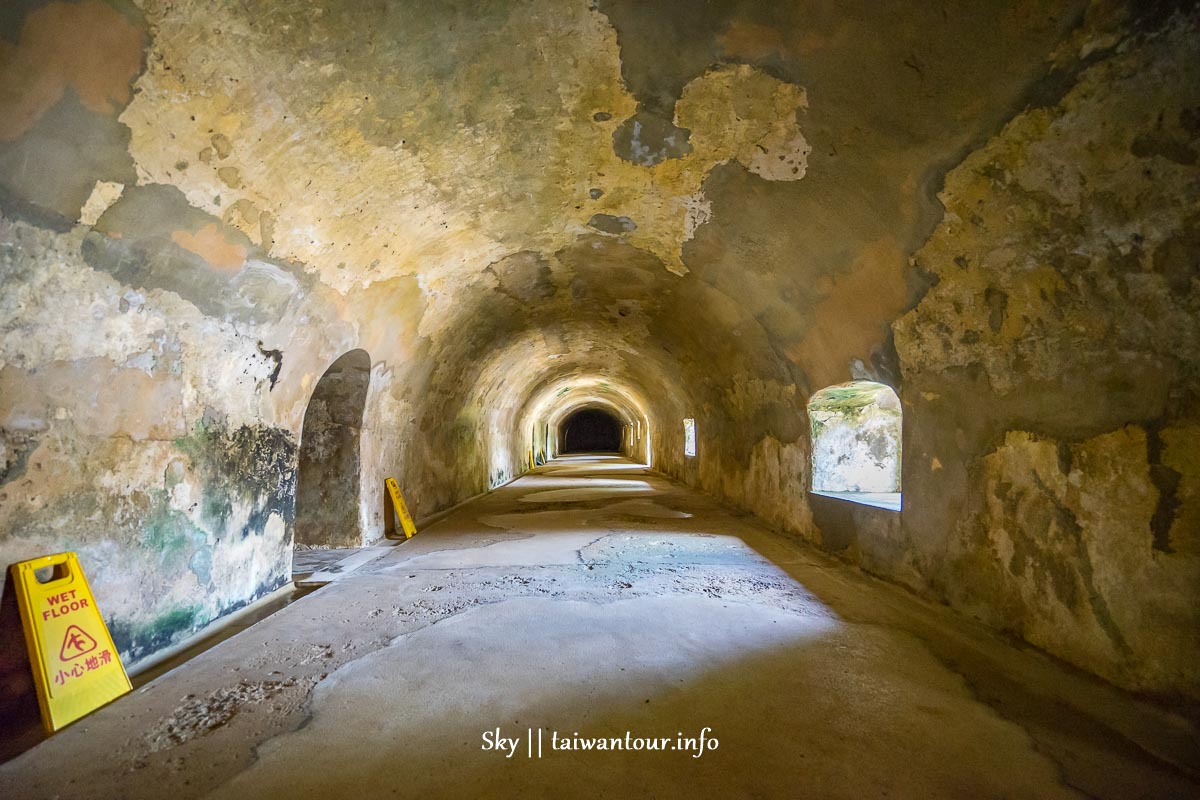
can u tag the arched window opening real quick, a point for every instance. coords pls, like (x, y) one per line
(327, 483)
(856, 440)
(590, 430)
(689, 437)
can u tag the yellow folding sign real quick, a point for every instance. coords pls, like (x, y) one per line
(75, 664)
(401, 510)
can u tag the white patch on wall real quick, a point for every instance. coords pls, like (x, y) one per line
(240, 566)
(104, 194)
(697, 211)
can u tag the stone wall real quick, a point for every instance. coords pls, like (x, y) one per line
(157, 360)
(1047, 367)
(1057, 356)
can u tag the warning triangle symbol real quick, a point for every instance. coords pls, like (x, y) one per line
(76, 642)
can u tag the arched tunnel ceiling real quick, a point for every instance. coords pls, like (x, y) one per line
(642, 186)
(564, 397)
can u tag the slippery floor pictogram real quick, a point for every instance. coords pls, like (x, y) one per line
(76, 642)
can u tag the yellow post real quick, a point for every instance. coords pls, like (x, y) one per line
(75, 664)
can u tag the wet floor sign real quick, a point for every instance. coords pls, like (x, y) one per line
(399, 508)
(75, 665)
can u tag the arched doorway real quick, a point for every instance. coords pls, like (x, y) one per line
(327, 484)
(590, 430)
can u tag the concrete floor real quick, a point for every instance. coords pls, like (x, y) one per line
(594, 596)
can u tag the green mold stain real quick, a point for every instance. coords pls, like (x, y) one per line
(136, 640)
(846, 399)
(169, 533)
(252, 465)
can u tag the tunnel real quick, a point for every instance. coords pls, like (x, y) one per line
(590, 430)
(600, 397)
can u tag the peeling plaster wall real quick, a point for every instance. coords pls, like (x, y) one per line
(1048, 370)
(667, 209)
(141, 433)
(1057, 356)
(153, 360)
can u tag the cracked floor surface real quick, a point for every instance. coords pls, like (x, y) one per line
(596, 597)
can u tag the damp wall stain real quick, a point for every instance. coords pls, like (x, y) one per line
(136, 432)
(90, 49)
